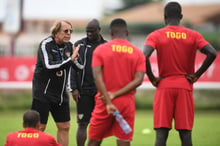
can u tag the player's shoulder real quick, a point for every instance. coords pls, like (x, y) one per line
(156, 32)
(159, 29)
(137, 50)
(13, 134)
(186, 29)
(193, 33)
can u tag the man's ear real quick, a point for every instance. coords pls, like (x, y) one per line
(23, 125)
(165, 17)
(38, 125)
(181, 16)
(111, 32)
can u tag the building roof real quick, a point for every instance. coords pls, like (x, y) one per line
(153, 13)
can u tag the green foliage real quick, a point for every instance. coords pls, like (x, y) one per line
(137, 29)
(207, 99)
(144, 99)
(21, 100)
(15, 99)
(144, 28)
(213, 38)
(132, 3)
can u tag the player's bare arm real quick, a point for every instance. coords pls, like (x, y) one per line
(210, 53)
(148, 50)
(98, 77)
(137, 81)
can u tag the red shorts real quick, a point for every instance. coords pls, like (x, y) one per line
(103, 125)
(173, 103)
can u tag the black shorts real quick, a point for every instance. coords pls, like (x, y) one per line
(60, 113)
(85, 105)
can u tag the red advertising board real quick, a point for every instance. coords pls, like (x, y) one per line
(17, 72)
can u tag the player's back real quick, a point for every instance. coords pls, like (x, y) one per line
(176, 51)
(30, 137)
(120, 61)
(176, 48)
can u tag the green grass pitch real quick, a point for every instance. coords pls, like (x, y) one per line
(206, 131)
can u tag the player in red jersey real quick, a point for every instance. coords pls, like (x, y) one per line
(176, 48)
(30, 136)
(118, 68)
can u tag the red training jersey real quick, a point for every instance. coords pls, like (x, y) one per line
(120, 60)
(30, 137)
(176, 48)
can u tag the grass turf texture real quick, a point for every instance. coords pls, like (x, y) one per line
(205, 132)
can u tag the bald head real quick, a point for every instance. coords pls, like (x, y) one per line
(93, 30)
(118, 28)
(94, 23)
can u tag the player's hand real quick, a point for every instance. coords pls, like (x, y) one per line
(111, 96)
(156, 81)
(192, 78)
(76, 95)
(102, 97)
(75, 54)
(111, 108)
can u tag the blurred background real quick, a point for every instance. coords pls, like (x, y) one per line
(24, 23)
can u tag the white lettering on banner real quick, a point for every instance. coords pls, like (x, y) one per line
(21, 72)
(4, 74)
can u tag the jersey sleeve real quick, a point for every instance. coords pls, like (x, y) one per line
(96, 57)
(141, 65)
(151, 40)
(200, 41)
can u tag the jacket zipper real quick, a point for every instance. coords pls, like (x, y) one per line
(61, 95)
(84, 64)
(45, 90)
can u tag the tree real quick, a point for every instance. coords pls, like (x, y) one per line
(132, 3)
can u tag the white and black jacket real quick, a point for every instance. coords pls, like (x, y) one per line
(51, 71)
(83, 79)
